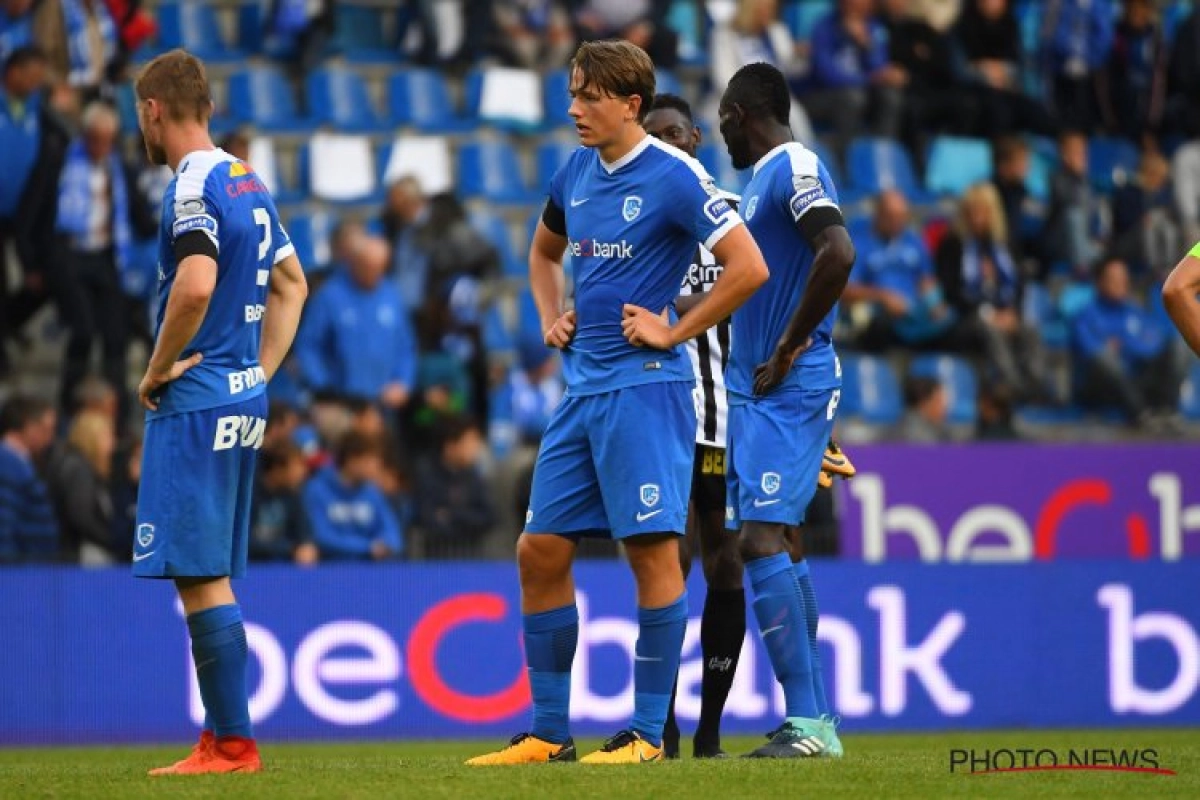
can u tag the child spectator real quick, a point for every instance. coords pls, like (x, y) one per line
(350, 517)
(279, 527)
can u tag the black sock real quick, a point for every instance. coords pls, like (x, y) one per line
(670, 735)
(722, 629)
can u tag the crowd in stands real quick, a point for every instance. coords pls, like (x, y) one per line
(1018, 176)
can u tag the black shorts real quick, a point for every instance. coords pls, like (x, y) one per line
(708, 479)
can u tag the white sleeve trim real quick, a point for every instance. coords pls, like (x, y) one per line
(729, 224)
(283, 252)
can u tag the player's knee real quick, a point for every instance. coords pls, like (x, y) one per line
(539, 560)
(723, 568)
(760, 541)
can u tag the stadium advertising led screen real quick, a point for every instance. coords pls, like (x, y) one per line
(1017, 503)
(398, 651)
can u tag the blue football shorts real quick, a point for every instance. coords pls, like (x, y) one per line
(616, 464)
(193, 516)
(774, 454)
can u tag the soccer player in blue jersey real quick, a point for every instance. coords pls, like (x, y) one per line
(784, 383)
(616, 459)
(229, 299)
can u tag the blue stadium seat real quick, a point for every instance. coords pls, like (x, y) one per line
(956, 163)
(552, 154)
(870, 390)
(262, 96)
(877, 164)
(489, 170)
(360, 34)
(1072, 299)
(1189, 395)
(959, 379)
(803, 16)
(127, 107)
(310, 233)
(1111, 161)
(192, 25)
(253, 35)
(338, 96)
(1040, 312)
(691, 24)
(556, 98)
(495, 230)
(421, 98)
(665, 82)
(716, 161)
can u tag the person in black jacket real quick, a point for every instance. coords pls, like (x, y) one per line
(454, 511)
(77, 473)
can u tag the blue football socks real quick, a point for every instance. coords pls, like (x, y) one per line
(812, 617)
(219, 652)
(656, 662)
(781, 622)
(550, 639)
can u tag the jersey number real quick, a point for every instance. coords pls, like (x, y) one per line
(263, 220)
(831, 409)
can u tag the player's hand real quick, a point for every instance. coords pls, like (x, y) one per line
(307, 554)
(394, 395)
(644, 328)
(153, 381)
(771, 373)
(561, 332)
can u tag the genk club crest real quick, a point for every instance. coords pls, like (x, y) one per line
(632, 207)
(145, 534)
(650, 494)
(771, 482)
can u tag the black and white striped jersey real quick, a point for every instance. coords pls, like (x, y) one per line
(709, 351)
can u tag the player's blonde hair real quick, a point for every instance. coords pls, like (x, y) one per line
(618, 69)
(177, 80)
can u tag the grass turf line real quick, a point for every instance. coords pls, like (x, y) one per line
(876, 766)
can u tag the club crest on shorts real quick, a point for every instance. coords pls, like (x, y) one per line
(771, 482)
(145, 534)
(650, 494)
(631, 208)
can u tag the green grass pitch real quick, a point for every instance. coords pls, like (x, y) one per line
(885, 766)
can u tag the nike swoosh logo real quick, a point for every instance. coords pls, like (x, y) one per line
(772, 630)
(143, 556)
(643, 517)
(837, 462)
(575, 202)
(761, 503)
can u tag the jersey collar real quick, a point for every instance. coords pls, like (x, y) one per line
(216, 151)
(611, 167)
(774, 151)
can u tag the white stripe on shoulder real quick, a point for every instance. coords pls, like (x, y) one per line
(675, 152)
(194, 171)
(803, 160)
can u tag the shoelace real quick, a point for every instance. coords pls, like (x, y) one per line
(520, 737)
(622, 739)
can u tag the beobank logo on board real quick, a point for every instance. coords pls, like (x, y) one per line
(1015, 503)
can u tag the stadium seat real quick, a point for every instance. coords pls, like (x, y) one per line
(1072, 299)
(690, 22)
(421, 98)
(1038, 310)
(716, 161)
(552, 154)
(426, 158)
(262, 96)
(127, 107)
(873, 165)
(870, 390)
(1189, 395)
(253, 35)
(556, 98)
(1111, 162)
(665, 82)
(340, 168)
(505, 98)
(266, 166)
(495, 230)
(338, 97)
(193, 25)
(310, 233)
(959, 379)
(361, 34)
(802, 17)
(956, 163)
(488, 169)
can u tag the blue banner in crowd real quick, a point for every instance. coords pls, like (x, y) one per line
(398, 651)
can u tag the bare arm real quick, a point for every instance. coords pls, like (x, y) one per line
(1179, 297)
(743, 271)
(548, 284)
(195, 279)
(285, 300)
(684, 303)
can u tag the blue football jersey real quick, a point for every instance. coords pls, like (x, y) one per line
(788, 182)
(632, 227)
(215, 193)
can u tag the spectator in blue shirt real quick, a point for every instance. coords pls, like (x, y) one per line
(28, 527)
(1125, 355)
(893, 279)
(350, 516)
(357, 338)
(851, 80)
(1077, 37)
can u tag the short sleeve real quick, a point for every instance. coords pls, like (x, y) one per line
(805, 191)
(699, 206)
(283, 242)
(194, 212)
